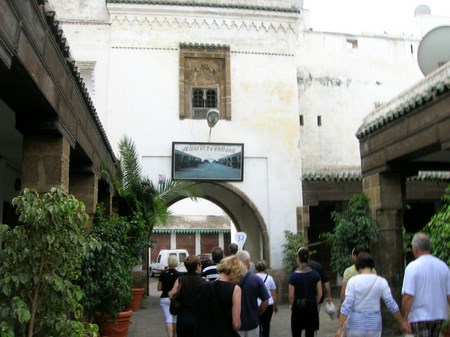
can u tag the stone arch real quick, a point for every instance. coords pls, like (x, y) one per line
(244, 214)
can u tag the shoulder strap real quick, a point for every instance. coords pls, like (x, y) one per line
(367, 293)
(267, 275)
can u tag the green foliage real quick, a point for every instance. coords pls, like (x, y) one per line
(39, 263)
(352, 227)
(137, 193)
(438, 229)
(116, 244)
(293, 242)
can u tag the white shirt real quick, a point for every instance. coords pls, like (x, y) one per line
(270, 285)
(427, 279)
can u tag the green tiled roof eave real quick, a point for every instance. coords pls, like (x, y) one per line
(184, 45)
(206, 4)
(184, 231)
(425, 90)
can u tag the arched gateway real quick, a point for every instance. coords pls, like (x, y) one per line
(243, 213)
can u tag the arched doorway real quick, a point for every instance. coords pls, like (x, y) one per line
(243, 214)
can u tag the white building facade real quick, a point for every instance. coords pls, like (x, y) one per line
(294, 97)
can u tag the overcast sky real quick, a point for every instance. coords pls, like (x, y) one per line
(369, 16)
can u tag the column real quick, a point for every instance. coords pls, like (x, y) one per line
(386, 193)
(45, 162)
(84, 187)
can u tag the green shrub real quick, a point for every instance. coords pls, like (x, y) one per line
(353, 227)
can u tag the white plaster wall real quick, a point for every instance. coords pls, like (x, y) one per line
(342, 85)
(141, 75)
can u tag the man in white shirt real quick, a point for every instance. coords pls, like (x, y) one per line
(426, 289)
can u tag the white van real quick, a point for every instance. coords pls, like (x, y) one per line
(162, 261)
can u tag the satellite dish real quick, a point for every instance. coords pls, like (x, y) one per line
(434, 49)
(422, 10)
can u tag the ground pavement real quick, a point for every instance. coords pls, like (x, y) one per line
(149, 322)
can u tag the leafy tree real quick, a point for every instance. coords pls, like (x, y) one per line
(40, 260)
(438, 229)
(352, 227)
(293, 242)
(139, 195)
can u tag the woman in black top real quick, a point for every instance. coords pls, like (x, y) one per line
(166, 281)
(219, 313)
(189, 287)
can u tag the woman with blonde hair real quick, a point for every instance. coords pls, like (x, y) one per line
(220, 301)
(165, 284)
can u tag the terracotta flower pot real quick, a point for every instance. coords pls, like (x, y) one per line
(117, 327)
(138, 294)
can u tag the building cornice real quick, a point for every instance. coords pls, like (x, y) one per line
(221, 5)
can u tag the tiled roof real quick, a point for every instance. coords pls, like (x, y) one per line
(351, 175)
(58, 34)
(196, 224)
(425, 90)
(206, 4)
(203, 46)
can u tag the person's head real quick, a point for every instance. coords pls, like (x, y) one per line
(192, 264)
(364, 260)
(233, 248)
(233, 267)
(217, 254)
(303, 254)
(244, 256)
(172, 261)
(421, 244)
(359, 249)
(260, 266)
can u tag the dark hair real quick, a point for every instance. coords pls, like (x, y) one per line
(217, 254)
(303, 254)
(364, 260)
(233, 248)
(191, 263)
(260, 265)
(360, 249)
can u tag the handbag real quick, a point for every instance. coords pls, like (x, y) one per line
(175, 303)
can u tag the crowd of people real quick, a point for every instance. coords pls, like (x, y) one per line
(234, 297)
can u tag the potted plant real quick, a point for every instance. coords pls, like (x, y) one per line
(138, 195)
(106, 276)
(40, 261)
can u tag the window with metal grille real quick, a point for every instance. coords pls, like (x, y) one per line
(204, 98)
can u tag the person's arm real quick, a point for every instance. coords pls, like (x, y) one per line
(318, 291)
(407, 301)
(448, 299)
(404, 325)
(291, 294)
(159, 285)
(236, 308)
(263, 306)
(275, 300)
(341, 322)
(175, 288)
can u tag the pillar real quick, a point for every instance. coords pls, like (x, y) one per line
(386, 193)
(84, 187)
(45, 162)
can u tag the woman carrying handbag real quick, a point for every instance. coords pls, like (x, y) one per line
(360, 312)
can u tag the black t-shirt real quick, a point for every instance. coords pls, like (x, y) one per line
(167, 279)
